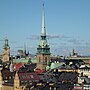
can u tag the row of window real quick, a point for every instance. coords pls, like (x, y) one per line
(85, 70)
(44, 60)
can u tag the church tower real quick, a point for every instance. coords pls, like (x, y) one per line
(43, 50)
(16, 82)
(6, 51)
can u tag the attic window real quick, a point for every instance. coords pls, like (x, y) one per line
(31, 76)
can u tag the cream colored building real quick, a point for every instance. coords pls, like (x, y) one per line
(84, 70)
(6, 51)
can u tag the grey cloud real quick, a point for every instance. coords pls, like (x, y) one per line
(49, 36)
(75, 41)
(87, 43)
(52, 36)
(33, 37)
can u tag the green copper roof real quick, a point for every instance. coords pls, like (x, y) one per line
(6, 45)
(43, 43)
(55, 65)
(34, 60)
(21, 60)
(43, 47)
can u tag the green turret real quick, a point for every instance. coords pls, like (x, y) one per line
(6, 45)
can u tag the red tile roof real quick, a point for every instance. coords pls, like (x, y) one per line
(17, 66)
(38, 71)
(28, 77)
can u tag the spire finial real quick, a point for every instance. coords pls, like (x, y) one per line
(43, 20)
(43, 2)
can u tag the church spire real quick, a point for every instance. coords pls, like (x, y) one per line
(43, 50)
(24, 49)
(43, 21)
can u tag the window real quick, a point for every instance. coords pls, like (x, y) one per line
(45, 59)
(39, 59)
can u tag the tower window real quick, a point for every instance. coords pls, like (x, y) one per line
(45, 59)
(39, 59)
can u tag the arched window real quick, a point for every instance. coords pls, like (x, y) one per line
(45, 59)
(39, 59)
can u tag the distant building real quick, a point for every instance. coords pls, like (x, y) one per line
(6, 51)
(43, 50)
(84, 70)
(75, 56)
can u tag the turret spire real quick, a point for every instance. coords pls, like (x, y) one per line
(43, 21)
(24, 49)
(6, 45)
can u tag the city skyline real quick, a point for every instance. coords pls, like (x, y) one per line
(67, 25)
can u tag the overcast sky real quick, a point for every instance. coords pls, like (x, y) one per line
(67, 25)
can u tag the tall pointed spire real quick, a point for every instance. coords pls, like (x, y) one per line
(24, 49)
(43, 46)
(43, 20)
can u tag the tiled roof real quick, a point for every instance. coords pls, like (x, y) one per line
(17, 66)
(68, 77)
(21, 60)
(27, 68)
(8, 77)
(28, 77)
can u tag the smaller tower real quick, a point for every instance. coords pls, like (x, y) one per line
(16, 82)
(73, 52)
(6, 51)
(1, 80)
(24, 53)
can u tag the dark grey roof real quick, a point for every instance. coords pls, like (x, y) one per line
(68, 76)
